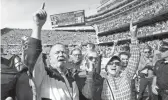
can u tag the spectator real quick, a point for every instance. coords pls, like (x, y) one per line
(117, 85)
(24, 80)
(160, 81)
(92, 60)
(145, 72)
(124, 56)
(54, 81)
(76, 58)
(90, 47)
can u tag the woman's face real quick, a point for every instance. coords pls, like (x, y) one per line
(113, 67)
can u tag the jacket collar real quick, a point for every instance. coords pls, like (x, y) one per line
(54, 73)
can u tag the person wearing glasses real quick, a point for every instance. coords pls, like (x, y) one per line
(92, 61)
(76, 59)
(91, 64)
(116, 86)
(53, 82)
(74, 66)
(145, 71)
(160, 80)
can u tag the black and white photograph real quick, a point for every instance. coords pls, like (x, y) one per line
(84, 49)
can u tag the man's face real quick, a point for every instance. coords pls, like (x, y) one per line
(124, 60)
(17, 62)
(89, 48)
(147, 53)
(113, 67)
(76, 56)
(58, 55)
(92, 57)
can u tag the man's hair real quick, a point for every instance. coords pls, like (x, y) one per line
(163, 46)
(147, 47)
(62, 45)
(124, 53)
(91, 45)
(57, 44)
(125, 48)
(75, 50)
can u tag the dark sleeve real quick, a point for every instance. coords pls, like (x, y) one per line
(8, 83)
(93, 86)
(98, 66)
(87, 88)
(155, 67)
(97, 86)
(32, 52)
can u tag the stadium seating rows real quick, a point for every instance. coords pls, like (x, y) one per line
(153, 43)
(50, 37)
(142, 31)
(11, 38)
(134, 14)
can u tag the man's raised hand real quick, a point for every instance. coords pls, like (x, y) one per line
(115, 42)
(133, 30)
(40, 16)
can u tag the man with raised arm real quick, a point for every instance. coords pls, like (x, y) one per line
(116, 86)
(52, 82)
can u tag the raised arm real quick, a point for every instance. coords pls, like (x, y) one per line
(135, 53)
(34, 47)
(33, 55)
(113, 48)
(92, 83)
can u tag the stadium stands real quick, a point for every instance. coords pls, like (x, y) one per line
(11, 38)
(154, 29)
(136, 14)
(112, 19)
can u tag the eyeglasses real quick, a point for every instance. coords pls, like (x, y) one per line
(77, 55)
(91, 58)
(146, 51)
(114, 63)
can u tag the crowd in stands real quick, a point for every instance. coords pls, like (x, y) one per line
(14, 35)
(106, 49)
(12, 43)
(112, 5)
(154, 29)
(11, 40)
(117, 8)
(79, 72)
(136, 14)
(71, 37)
